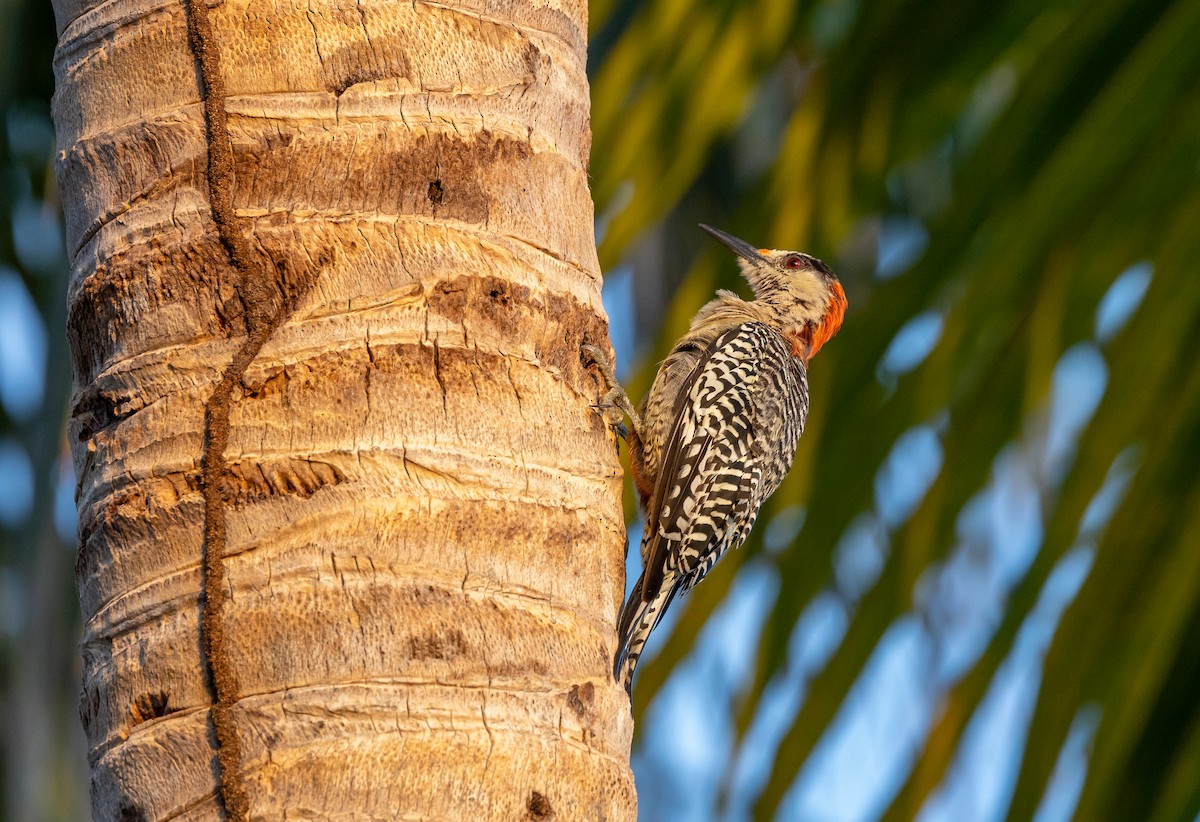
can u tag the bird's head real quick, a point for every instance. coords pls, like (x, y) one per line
(803, 291)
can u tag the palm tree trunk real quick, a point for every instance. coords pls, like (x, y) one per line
(350, 536)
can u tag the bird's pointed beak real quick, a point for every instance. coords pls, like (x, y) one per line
(739, 247)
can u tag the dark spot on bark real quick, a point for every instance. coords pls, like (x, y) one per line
(510, 306)
(149, 706)
(430, 595)
(365, 61)
(94, 411)
(459, 165)
(580, 698)
(436, 194)
(449, 298)
(575, 323)
(437, 646)
(266, 385)
(538, 806)
(127, 811)
(256, 480)
(533, 60)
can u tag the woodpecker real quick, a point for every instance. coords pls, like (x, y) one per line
(717, 432)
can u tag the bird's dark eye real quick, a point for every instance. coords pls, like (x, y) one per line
(793, 261)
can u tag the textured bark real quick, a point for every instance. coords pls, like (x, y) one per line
(378, 429)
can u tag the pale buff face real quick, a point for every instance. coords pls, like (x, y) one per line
(803, 290)
(801, 285)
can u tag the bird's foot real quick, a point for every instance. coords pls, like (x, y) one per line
(610, 409)
(614, 406)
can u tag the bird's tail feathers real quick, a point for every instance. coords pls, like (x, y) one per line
(638, 620)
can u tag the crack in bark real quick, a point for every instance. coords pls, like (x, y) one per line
(262, 316)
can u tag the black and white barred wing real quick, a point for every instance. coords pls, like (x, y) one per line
(720, 461)
(734, 434)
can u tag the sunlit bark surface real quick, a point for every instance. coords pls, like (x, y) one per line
(423, 532)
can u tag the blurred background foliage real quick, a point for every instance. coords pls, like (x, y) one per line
(977, 596)
(43, 770)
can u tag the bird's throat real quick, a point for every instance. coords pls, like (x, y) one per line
(808, 340)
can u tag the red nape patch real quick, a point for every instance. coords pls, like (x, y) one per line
(823, 331)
